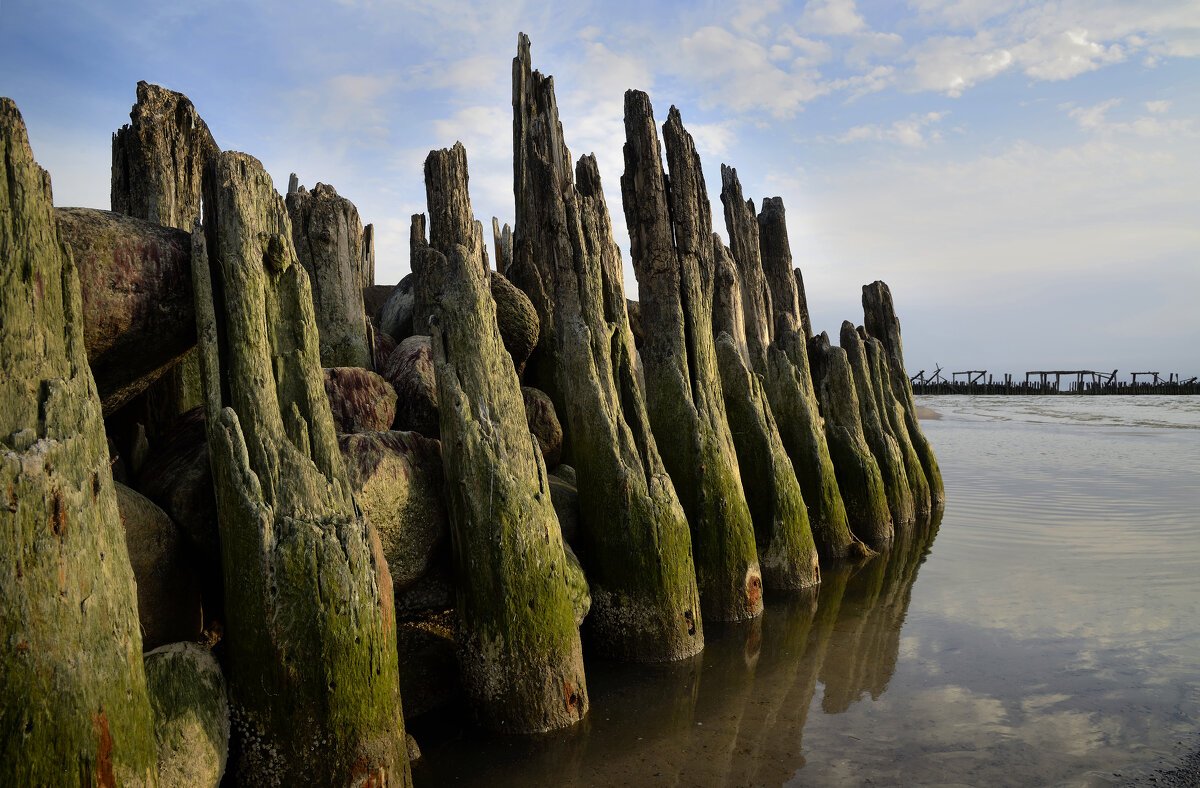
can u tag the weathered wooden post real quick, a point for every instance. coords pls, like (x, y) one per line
(308, 599)
(518, 647)
(635, 541)
(73, 703)
(670, 226)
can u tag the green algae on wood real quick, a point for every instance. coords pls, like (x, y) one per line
(670, 226)
(519, 649)
(884, 447)
(895, 425)
(634, 535)
(790, 393)
(858, 476)
(74, 709)
(309, 621)
(879, 318)
(786, 549)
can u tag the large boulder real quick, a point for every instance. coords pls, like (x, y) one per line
(516, 318)
(397, 480)
(191, 715)
(138, 313)
(167, 592)
(374, 297)
(176, 475)
(565, 495)
(360, 400)
(385, 346)
(543, 424)
(410, 371)
(395, 316)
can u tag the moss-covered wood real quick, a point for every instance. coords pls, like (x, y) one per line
(670, 227)
(884, 447)
(742, 225)
(793, 401)
(789, 307)
(786, 550)
(519, 648)
(328, 236)
(310, 629)
(634, 534)
(881, 322)
(858, 476)
(73, 703)
(896, 426)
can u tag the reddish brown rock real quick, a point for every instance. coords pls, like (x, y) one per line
(384, 346)
(544, 424)
(361, 401)
(138, 313)
(410, 371)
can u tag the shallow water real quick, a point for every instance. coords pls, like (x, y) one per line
(1045, 632)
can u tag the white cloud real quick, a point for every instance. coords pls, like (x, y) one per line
(737, 73)
(831, 17)
(1095, 120)
(1065, 55)
(953, 64)
(909, 132)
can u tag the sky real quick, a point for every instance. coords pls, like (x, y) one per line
(1024, 175)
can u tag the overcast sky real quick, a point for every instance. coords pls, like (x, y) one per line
(1024, 175)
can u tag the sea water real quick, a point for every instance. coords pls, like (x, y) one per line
(1045, 632)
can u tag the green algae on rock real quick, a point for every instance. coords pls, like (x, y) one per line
(633, 534)
(519, 649)
(309, 620)
(191, 715)
(74, 709)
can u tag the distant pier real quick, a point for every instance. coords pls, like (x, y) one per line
(1052, 381)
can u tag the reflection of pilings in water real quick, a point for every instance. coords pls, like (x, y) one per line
(768, 742)
(865, 643)
(784, 684)
(724, 697)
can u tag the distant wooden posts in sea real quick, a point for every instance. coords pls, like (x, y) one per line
(1086, 381)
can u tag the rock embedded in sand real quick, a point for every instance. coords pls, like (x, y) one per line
(167, 591)
(191, 715)
(398, 483)
(411, 373)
